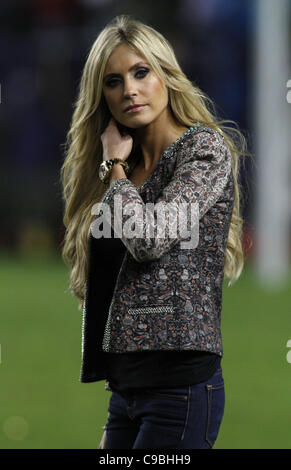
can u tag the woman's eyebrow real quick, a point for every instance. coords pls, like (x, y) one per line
(135, 66)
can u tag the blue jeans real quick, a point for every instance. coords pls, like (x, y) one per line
(187, 417)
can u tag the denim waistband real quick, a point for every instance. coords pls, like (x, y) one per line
(218, 371)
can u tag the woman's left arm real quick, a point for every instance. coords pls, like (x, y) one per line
(203, 167)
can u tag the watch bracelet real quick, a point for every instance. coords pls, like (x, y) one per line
(122, 163)
(112, 161)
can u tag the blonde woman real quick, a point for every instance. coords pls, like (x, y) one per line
(143, 139)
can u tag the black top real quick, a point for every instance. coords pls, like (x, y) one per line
(135, 371)
(138, 370)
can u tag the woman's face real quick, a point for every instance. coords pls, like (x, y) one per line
(128, 80)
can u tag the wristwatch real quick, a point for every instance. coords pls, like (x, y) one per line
(106, 167)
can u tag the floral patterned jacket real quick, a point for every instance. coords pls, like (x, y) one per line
(164, 295)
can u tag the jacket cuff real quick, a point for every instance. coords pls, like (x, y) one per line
(115, 187)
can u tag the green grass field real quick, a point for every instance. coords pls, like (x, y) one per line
(43, 404)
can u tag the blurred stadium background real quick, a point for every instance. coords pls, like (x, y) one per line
(238, 52)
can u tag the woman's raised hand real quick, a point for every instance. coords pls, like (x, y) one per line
(115, 145)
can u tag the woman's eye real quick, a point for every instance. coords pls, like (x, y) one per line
(141, 73)
(111, 83)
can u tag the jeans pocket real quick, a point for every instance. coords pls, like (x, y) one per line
(215, 410)
(168, 394)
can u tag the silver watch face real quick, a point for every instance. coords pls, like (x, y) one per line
(103, 170)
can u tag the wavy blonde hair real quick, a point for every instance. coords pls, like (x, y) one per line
(81, 185)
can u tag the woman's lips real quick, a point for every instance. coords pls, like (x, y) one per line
(135, 109)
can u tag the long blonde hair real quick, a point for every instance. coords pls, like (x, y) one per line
(83, 148)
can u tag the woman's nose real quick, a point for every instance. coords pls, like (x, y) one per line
(129, 89)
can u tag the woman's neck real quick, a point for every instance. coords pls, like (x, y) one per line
(154, 139)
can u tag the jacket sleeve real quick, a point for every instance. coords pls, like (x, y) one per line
(202, 169)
